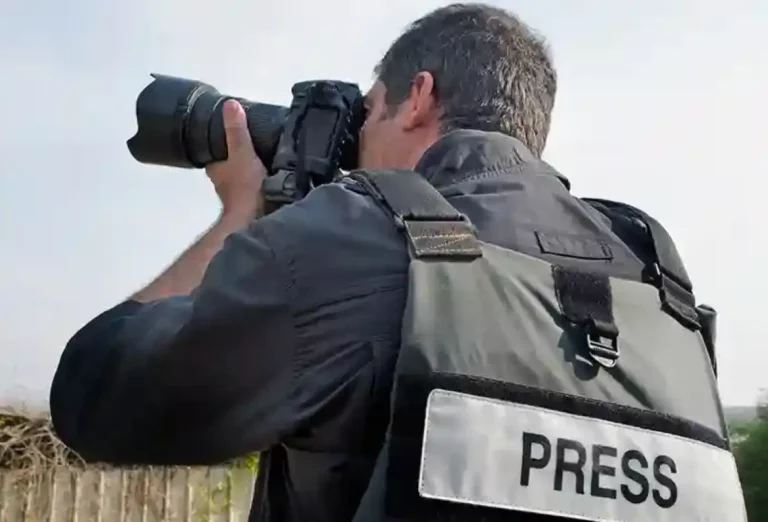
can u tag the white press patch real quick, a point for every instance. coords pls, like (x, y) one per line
(487, 452)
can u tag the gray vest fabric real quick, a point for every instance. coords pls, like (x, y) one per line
(516, 394)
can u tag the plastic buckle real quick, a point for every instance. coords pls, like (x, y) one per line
(281, 188)
(602, 342)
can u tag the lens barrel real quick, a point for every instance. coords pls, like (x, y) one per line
(180, 124)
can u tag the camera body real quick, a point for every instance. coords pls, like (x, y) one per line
(180, 124)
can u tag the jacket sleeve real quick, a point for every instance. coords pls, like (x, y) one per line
(189, 380)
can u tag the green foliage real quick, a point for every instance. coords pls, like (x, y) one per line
(216, 498)
(751, 452)
(250, 462)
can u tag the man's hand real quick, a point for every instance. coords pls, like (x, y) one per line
(239, 178)
(238, 183)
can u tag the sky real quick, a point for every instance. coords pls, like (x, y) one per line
(661, 103)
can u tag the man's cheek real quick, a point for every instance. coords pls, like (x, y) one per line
(367, 138)
(364, 152)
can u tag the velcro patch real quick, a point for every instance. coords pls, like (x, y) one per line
(492, 453)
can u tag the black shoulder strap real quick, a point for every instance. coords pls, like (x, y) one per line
(666, 270)
(434, 228)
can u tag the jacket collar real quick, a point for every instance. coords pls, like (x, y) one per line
(466, 154)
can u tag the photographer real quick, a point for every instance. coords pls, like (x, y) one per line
(280, 333)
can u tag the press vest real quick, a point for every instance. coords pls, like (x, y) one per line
(527, 389)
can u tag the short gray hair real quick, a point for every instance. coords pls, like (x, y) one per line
(491, 71)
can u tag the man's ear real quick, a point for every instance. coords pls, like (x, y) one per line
(420, 107)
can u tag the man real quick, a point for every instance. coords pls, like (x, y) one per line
(280, 333)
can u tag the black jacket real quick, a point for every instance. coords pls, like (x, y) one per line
(288, 345)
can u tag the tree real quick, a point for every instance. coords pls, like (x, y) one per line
(751, 452)
(762, 406)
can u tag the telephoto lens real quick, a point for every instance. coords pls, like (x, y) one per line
(180, 124)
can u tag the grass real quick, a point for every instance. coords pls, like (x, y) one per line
(28, 444)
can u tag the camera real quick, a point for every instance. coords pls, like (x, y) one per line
(304, 145)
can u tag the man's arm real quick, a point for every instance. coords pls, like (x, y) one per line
(193, 379)
(185, 274)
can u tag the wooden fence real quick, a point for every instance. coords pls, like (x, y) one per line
(141, 495)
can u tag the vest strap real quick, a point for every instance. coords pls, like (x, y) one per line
(586, 300)
(433, 227)
(665, 270)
